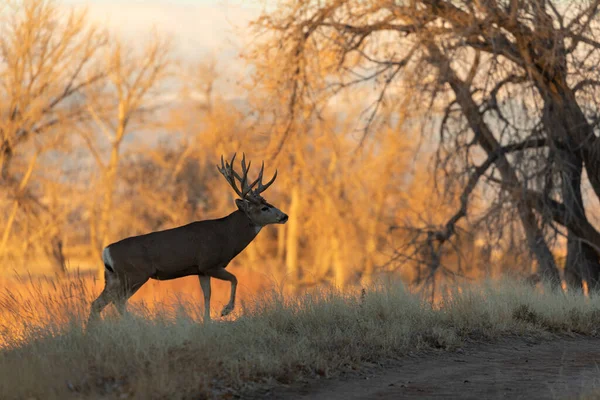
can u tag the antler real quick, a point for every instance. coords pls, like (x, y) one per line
(261, 188)
(230, 175)
(227, 171)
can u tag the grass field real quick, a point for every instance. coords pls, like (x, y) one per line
(163, 350)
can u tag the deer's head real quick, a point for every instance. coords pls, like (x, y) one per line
(259, 211)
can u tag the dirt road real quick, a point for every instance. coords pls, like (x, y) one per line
(508, 369)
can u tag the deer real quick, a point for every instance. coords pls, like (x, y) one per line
(203, 248)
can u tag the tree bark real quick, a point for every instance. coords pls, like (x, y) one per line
(582, 259)
(561, 119)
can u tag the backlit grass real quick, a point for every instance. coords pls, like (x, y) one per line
(167, 352)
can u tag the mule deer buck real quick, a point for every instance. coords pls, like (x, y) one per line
(202, 248)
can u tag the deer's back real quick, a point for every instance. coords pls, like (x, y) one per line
(169, 250)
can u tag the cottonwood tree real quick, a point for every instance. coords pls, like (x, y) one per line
(47, 58)
(321, 174)
(513, 86)
(119, 108)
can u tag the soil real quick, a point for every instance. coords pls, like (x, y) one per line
(512, 368)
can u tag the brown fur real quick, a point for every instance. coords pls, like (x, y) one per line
(202, 248)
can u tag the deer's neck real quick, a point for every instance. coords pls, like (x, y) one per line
(243, 230)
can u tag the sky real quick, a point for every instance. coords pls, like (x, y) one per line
(198, 27)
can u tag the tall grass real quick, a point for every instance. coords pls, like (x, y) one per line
(165, 352)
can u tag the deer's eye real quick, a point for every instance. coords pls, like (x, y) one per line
(265, 208)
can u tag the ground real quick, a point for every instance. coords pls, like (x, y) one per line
(512, 368)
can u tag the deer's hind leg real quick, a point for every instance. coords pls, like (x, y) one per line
(117, 290)
(125, 291)
(111, 286)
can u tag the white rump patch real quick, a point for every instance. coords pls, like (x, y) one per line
(107, 259)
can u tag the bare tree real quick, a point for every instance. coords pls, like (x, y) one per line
(512, 86)
(115, 110)
(47, 58)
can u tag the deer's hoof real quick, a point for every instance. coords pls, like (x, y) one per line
(226, 311)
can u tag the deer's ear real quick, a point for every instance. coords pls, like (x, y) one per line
(241, 204)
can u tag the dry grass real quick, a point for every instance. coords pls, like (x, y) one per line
(164, 352)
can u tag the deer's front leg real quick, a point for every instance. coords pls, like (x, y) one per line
(222, 274)
(205, 285)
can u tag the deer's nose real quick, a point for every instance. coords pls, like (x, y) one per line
(284, 218)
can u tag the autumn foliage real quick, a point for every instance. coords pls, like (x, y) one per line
(101, 139)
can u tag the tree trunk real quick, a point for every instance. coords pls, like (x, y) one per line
(291, 252)
(100, 235)
(54, 251)
(8, 227)
(109, 188)
(18, 193)
(372, 237)
(252, 252)
(94, 232)
(582, 261)
(370, 249)
(5, 160)
(340, 268)
(281, 234)
(322, 257)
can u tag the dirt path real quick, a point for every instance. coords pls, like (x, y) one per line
(509, 369)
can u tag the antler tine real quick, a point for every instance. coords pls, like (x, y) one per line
(230, 166)
(227, 171)
(238, 177)
(245, 169)
(261, 188)
(260, 175)
(231, 162)
(223, 169)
